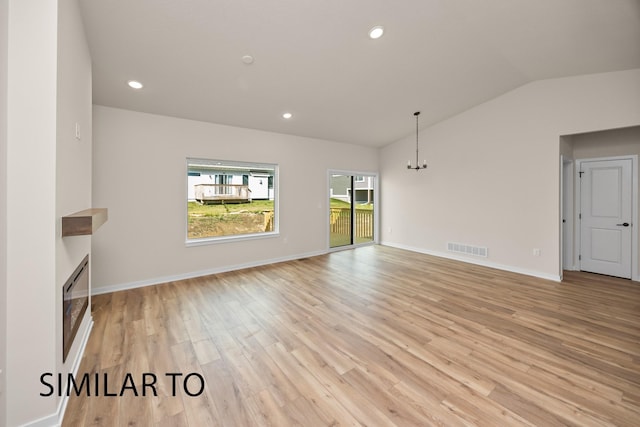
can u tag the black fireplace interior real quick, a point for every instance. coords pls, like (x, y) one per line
(75, 300)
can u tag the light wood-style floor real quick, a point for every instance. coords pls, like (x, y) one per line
(374, 336)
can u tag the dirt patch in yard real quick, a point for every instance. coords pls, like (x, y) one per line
(228, 224)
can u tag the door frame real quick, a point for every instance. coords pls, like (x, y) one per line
(634, 209)
(567, 257)
(376, 208)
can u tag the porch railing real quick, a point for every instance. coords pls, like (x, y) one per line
(221, 192)
(340, 222)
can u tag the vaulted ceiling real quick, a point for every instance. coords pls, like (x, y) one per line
(314, 58)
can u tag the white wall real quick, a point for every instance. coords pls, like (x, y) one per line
(4, 23)
(48, 89)
(609, 143)
(139, 174)
(493, 177)
(31, 221)
(73, 161)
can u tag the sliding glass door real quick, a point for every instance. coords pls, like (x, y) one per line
(340, 211)
(351, 209)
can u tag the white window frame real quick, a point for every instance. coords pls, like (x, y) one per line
(241, 165)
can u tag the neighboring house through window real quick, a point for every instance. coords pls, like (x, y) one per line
(230, 199)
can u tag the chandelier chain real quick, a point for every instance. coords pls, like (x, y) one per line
(417, 167)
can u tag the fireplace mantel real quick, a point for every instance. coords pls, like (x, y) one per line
(84, 222)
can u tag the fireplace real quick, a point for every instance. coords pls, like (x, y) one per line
(75, 300)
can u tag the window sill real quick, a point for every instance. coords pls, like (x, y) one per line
(229, 239)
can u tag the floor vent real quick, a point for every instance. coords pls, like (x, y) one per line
(468, 249)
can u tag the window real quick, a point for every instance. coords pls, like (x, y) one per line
(224, 179)
(230, 200)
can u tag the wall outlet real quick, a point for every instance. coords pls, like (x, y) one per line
(536, 252)
(78, 131)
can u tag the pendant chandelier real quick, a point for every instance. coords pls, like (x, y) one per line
(417, 167)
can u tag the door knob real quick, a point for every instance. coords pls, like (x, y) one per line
(624, 224)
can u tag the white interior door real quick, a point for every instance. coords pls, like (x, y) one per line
(606, 211)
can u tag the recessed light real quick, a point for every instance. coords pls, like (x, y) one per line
(287, 116)
(247, 59)
(376, 32)
(134, 84)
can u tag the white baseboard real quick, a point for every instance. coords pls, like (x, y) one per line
(49, 421)
(190, 275)
(482, 262)
(55, 419)
(74, 369)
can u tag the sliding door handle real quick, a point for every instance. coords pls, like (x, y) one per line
(624, 224)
